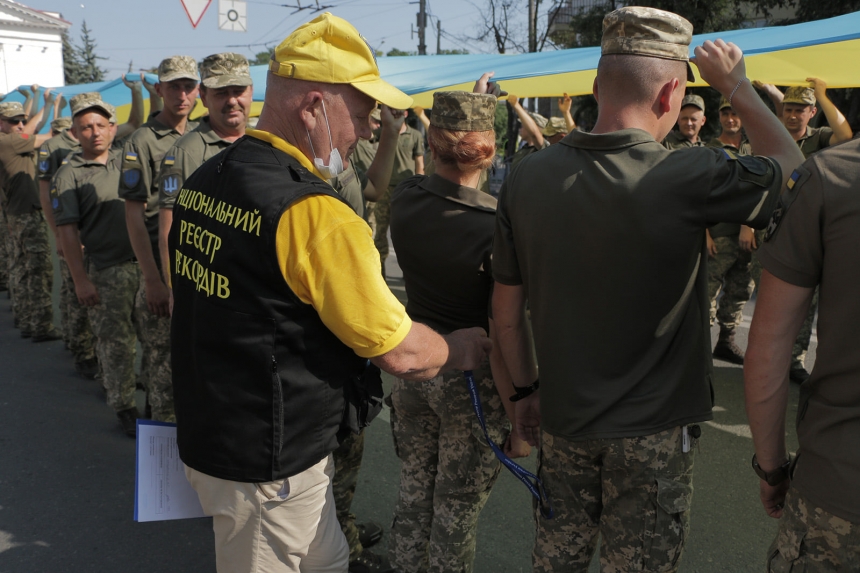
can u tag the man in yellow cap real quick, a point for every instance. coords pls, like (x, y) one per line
(625, 372)
(281, 318)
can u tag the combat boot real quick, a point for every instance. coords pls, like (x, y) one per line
(128, 421)
(726, 349)
(369, 562)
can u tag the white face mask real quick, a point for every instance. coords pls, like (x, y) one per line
(335, 163)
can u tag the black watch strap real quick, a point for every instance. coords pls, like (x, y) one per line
(521, 392)
(775, 476)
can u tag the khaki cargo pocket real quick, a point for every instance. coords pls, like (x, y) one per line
(274, 491)
(671, 525)
(786, 552)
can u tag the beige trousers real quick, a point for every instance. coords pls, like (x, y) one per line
(284, 526)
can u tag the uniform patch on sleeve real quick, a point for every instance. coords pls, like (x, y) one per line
(730, 155)
(55, 203)
(130, 156)
(43, 152)
(169, 160)
(798, 177)
(131, 177)
(43, 166)
(170, 184)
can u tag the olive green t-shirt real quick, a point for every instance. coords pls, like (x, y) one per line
(86, 195)
(409, 146)
(53, 151)
(188, 153)
(525, 151)
(606, 234)
(812, 241)
(18, 174)
(350, 185)
(728, 229)
(677, 141)
(363, 155)
(816, 139)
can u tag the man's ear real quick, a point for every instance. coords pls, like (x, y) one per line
(310, 109)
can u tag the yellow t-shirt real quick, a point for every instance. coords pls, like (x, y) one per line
(327, 256)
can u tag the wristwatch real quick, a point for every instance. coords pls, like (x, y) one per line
(775, 476)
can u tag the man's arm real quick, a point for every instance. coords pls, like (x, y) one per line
(722, 66)
(157, 293)
(712, 246)
(419, 164)
(515, 447)
(48, 210)
(531, 132)
(422, 117)
(50, 97)
(379, 171)
(773, 94)
(135, 116)
(746, 239)
(28, 94)
(838, 123)
(156, 104)
(514, 340)
(564, 105)
(84, 288)
(165, 220)
(780, 310)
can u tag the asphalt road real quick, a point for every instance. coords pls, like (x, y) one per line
(67, 481)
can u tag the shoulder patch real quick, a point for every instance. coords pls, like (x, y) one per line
(43, 166)
(55, 203)
(730, 155)
(64, 161)
(798, 177)
(169, 160)
(170, 184)
(130, 156)
(43, 151)
(131, 177)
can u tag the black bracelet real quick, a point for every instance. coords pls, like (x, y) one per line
(523, 391)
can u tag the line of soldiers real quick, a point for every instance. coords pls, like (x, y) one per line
(733, 268)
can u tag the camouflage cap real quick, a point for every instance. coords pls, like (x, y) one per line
(724, 103)
(555, 126)
(693, 99)
(89, 100)
(799, 94)
(61, 123)
(540, 120)
(376, 114)
(177, 68)
(641, 31)
(227, 69)
(463, 111)
(11, 109)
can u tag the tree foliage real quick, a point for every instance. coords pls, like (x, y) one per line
(399, 52)
(80, 62)
(262, 58)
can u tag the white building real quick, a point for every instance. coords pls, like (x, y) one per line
(31, 47)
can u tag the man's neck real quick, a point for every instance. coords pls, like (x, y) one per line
(226, 134)
(97, 157)
(627, 118)
(733, 140)
(173, 121)
(799, 133)
(403, 128)
(694, 140)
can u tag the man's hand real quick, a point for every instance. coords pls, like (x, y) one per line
(513, 100)
(391, 122)
(87, 293)
(24, 91)
(768, 89)
(528, 419)
(131, 84)
(746, 239)
(485, 86)
(515, 447)
(468, 348)
(712, 246)
(62, 102)
(158, 298)
(720, 64)
(820, 87)
(564, 104)
(49, 96)
(773, 497)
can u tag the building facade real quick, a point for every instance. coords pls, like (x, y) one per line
(31, 47)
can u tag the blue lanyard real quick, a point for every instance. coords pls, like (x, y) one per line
(520, 472)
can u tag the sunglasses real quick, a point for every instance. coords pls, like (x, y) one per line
(13, 121)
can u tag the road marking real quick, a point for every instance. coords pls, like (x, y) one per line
(740, 430)
(718, 409)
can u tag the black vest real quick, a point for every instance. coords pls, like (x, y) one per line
(259, 381)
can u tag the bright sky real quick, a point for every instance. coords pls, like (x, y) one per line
(147, 31)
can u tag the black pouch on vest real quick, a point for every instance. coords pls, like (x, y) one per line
(363, 399)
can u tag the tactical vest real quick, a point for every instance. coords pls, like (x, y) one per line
(262, 388)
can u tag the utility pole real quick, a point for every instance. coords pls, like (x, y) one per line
(532, 38)
(422, 27)
(438, 36)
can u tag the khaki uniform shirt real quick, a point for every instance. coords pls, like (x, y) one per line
(18, 174)
(677, 141)
(409, 146)
(816, 139)
(85, 194)
(443, 235)
(582, 226)
(188, 153)
(363, 155)
(812, 241)
(728, 229)
(525, 151)
(141, 160)
(53, 151)
(350, 185)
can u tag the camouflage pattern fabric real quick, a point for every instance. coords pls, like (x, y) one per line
(9, 248)
(347, 462)
(112, 322)
(32, 272)
(4, 250)
(75, 319)
(635, 491)
(155, 373)
(463, 111)
(812, 540)
(447, 470)
(729, 272)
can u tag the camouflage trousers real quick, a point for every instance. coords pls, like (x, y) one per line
(729, 273)
(381, 220)
(811, 540)
(635, 492)
(347, 462)
(75, 319)
(447, 470)
(32, 273)
(4, 250)
(113, 320)
(155, 373)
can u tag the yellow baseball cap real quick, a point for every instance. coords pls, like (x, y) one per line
(330, 50)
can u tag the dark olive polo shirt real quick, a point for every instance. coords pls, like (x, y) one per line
(410, 145)
(813, 241)
(18, 174)
(350, 185)
(86, 195)
(728, 229)
(816, 139)
(443, 235)
(53, 151)
(606, 233)
(188, 153)
(677, 141)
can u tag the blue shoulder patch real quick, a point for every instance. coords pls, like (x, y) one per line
(43, 166)
(131, 177)
(55, 203)
(170, 184)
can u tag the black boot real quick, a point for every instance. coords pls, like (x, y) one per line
(726, 349)
(128, 421)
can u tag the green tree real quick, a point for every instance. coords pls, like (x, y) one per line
(73, 70)
(455, 52)
(81, 63)
(399, 52)
(262, 58)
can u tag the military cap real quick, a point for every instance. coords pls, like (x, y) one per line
(61, 123)
(177, 68)
(540, 120)
(89, 100)
(330, 50)
(724, 103)
(693, 99)
(11, 109)
(641, 31)
(555, 126)
(799, 94)
(376, 114)
(463, 111)
(227, 69)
